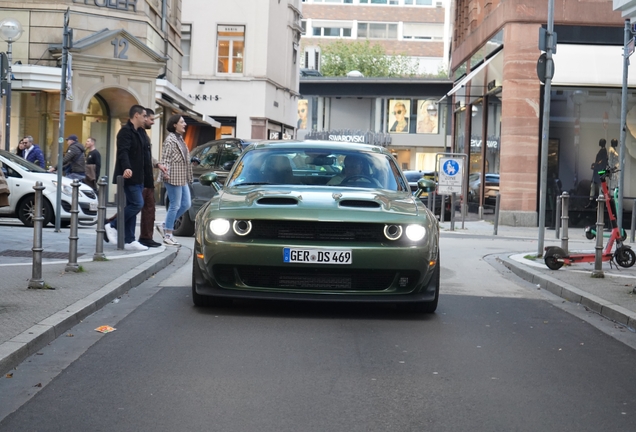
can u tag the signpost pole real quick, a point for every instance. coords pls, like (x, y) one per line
(628, 50)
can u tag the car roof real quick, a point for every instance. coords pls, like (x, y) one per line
(333, 145)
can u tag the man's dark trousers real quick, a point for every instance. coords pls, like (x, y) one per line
(147, 214)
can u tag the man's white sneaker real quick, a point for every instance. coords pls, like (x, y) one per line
(111, 233)
(169, 240)
(135, 246)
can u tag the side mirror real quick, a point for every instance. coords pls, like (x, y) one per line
(208, 179)
(426, 185)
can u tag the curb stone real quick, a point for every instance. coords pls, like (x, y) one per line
(572, 294)
(16, 350)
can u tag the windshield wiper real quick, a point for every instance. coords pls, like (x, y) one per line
(251, 184)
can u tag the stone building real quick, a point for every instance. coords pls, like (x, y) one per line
(497, 98)
(124, 53)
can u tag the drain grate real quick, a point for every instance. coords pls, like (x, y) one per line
(29, 254)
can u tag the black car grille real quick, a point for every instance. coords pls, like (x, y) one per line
(327, 231)
(313, 279)
(86, 209)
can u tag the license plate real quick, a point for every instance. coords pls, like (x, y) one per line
(92, 206)
(317, 256)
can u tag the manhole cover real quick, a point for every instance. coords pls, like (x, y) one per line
(29, 254)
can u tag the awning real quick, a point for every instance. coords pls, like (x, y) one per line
(478, 77)
(168, 95)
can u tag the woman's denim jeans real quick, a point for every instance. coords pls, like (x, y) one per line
(179, 197)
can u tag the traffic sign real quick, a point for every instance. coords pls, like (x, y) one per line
(451, 174)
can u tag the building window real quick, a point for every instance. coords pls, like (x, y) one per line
(333, 1)
(332, 31)
(423, 31)
(380, 2)
(377, 31)
(303, 25)
(186, 41)
(230, 49)
(418, 2)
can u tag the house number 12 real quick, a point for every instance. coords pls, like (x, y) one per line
(120, 43)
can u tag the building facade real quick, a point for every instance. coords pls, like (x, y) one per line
(241, 64)
(497, 97)
(419, 29)
(124, 53)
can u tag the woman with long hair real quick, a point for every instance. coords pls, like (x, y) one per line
(21, 147)
(176, 158)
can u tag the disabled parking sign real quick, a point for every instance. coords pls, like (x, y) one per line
(451, 173)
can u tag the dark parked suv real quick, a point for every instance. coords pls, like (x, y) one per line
(217, 156)
(413, 176)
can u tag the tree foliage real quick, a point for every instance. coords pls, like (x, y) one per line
(339, 58)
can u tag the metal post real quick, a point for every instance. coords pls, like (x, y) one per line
(101, 217)
(72, 265)
(633, 222)
(557, 217)
(7, 126)
(60, 139)
(441, 208)
(545, 130)
(38, 220)
(463, 209)
(452, 212)
(121, 204)
(621, 154)
(565, 220)
(430, 202)
(598, 258)
(496, 225)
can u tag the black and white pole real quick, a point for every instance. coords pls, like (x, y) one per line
(565, 220)
(598, 249)
(101, 218)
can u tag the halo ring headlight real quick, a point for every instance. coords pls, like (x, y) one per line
(392, 232)
(219, 227)
(415, 232)
(242, 227)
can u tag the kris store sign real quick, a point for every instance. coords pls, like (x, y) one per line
(123, 5)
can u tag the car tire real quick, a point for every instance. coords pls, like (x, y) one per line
(203, 300)
(27, 206)
(184, 227)
(427, 307)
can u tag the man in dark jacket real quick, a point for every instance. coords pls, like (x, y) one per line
(33, 152)
(74, 161)
(130, 164)
(148, 211)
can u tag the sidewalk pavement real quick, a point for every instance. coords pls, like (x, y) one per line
(31, 318)
(613, 296)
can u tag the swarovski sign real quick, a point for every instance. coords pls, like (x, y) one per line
(347, 138)
(124, 5)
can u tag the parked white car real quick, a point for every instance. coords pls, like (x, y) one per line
(21, 177)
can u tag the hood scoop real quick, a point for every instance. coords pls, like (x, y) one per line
(277, 201)
(356, 203)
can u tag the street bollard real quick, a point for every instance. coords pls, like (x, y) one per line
(452, 212)
(496, 225)
(72, 265)
(631, 240)
(463, 210)
(565, 220)
(557, 217)
(121, 204)
(598, 258)
(36, 281)
(101, 217)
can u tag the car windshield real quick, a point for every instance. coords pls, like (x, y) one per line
(317, 167)
(22, 164)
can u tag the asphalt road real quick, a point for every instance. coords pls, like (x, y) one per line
(498, 355)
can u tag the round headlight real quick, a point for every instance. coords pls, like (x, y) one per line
(242, 227)
(219, 226)
(392, 232)
(415, 232)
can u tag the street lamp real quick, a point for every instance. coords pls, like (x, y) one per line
(10, 30)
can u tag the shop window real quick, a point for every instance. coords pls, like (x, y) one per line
(230, 49)
(186, 40)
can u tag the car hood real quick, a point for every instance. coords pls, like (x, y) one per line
(314, 203)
